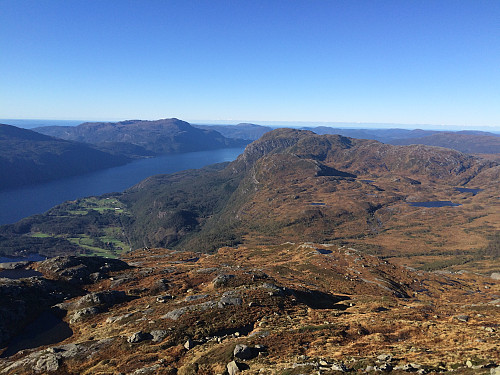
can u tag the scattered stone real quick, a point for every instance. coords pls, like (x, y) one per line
(138, 337)
(242, 351)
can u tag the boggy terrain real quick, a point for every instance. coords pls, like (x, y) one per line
(298, 308)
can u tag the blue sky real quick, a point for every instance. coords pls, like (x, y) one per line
(413, 62)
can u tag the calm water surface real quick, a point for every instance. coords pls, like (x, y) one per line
(18, 203)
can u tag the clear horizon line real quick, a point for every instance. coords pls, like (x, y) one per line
(356, 124)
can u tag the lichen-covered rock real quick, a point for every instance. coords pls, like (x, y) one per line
(158, 335)
(46, 363)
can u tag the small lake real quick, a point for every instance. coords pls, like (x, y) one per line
(19, 274)
(27, 258)
(16, 204)
(318, 204)
(468, 190)
(434, 204)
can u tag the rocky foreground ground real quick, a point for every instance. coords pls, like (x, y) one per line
(288, 309)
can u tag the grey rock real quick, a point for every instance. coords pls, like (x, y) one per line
(233, 368)
(138, 337)
(146, 370)
(46, 363)
(79, 315)
(229, 301)
(158, 335)
(117, 319)
(195, 297)
(221, 280)
(242, 351)
(495, 370)
(384, 357)
(462, 318)
(176, 314)
(495, 275)
(104, 299)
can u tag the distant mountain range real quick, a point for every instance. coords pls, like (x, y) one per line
(464, 142)
(468, 141)
(245, 131)
(140, 138)
(27, 157)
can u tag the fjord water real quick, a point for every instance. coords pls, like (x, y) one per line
(21, 202)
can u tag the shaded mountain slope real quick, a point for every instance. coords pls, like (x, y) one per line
(160, 136)
(27, 157)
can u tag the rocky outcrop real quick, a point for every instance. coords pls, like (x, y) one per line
(78, 269)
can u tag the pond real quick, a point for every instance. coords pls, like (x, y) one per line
(19, 274)
(468, 190)
(434, 204)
